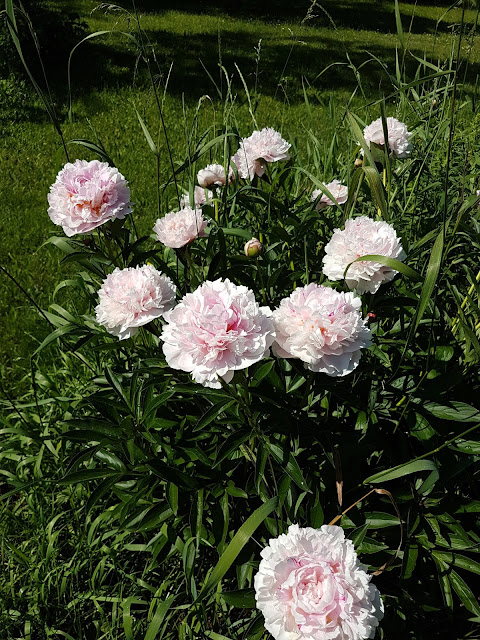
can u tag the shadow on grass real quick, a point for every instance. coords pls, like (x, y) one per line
(111, 63)
(282, 66)
(377, 15)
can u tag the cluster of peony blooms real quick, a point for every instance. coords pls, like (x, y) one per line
(311, 586)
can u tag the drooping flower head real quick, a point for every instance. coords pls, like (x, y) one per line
(132, 297)
(338, 190)
(85, 195)
(216, 330)
(321, 327)
(398, 137)
(200, 196)
(262, 146)
(361, 237)
(213, 175)
(179, 228)
(311, 586)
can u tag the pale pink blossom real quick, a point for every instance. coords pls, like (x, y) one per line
(179, 228)
(253, 248)
(398, 137)
(311, 585)
(132, 297)
(217, 330)
(213, 175)
(200, 196)
(321, 327)
(85, 195)
(361, 237)
(262, 146)
(338, 190)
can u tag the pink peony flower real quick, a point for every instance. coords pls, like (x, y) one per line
(361, 237)
(216, 330)
(321, 327)
(213, 175)
(310, 585)
(132, 297)
(201, 197)
(85, 195)
(262, 146)
(178, 228)
(398, 137)
(339, 192)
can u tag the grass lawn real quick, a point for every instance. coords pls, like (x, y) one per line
(301, 77)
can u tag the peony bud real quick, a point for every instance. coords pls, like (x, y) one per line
(253, 248)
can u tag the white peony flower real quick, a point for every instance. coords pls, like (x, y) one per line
(398, 137)
(200, 196)
(132, 297)
(213, 175)
(262, 146)
(338, 190)
(321, 327)
(310, 585)
(361, 237)
(217, 330)
(178, 228)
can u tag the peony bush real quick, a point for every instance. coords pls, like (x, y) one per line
(249, 358)
(261, 408)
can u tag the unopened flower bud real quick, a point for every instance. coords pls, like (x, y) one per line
(253, 248)
(358, 162)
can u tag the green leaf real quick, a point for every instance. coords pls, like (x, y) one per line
(388, 262)
(431, 276)
(380, 520)
(89, 474)
(58, 333)
(358, 135)
(289, 464)
(160, 613)
(398, 20)
(115, 383)
(471, 447)
(239, 233)
(403, 470)
(213, 413)
(377, 189)
(242, 599)
(456, 411)
(172, 474)
(464, 592)
(444, 583)
(146, 133)
(410, 557)
(458, 560)
(239, 540)
(261, 373)
(230, 445)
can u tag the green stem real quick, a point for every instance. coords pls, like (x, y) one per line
(442, 446)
